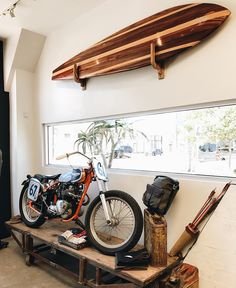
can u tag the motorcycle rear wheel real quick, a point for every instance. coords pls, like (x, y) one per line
(126, 223)
(30, 217)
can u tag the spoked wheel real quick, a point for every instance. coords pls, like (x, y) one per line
(125, 228)
(29, 215)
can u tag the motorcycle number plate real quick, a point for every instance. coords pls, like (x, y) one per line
(100, 170)
(33, 189)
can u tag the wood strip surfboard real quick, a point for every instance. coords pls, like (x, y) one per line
(150, 41)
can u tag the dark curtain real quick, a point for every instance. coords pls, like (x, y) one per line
(5, 194)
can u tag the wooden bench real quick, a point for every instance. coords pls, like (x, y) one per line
(48, 234)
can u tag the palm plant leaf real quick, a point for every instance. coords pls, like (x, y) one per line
(106, 134)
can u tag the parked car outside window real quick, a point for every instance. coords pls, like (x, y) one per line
(123, 151)
(157, 152)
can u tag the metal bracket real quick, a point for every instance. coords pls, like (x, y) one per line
(82, 82)
(158, 66)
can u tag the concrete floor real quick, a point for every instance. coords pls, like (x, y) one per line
(14, 273)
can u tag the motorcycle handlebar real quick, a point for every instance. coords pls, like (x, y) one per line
(67, 155)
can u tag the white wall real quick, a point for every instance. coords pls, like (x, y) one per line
(13, 145)
(21, 53)
(22, 132)
(201, 75)
(9, 52)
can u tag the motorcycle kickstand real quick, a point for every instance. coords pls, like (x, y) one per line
(80, 223)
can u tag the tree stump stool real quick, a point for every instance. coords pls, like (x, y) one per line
(155, 238)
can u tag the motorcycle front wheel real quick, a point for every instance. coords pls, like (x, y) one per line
(126, 226)
(29, 216)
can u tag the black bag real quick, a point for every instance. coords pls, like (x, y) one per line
(159, 195)
(134, 259)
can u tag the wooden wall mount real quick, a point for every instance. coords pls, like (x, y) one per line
(158, 66)
(150, 41)
(77, 79)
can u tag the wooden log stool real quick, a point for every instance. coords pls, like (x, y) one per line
(155, 238)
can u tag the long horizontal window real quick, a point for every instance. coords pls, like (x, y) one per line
(200, 141)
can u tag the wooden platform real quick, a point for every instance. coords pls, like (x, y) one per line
(48, 233)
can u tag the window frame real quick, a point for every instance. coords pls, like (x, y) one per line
(139, 114)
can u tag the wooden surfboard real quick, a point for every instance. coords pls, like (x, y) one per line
(152, 40)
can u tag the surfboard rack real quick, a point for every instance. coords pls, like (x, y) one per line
(156, 65)
(77, 79)
(153, 40)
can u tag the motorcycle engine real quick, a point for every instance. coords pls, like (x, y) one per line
(69, 196)
(62, 208)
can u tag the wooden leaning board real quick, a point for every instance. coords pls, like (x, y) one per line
(152, 40)
(49, 232)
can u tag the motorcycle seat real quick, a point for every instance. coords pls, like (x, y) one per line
(45, 178)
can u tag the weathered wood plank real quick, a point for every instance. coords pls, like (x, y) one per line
(49, 232)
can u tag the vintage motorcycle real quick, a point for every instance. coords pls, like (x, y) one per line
(113, 221)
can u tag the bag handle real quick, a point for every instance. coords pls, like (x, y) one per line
(171, 179)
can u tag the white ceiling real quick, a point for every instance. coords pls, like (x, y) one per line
(42, 16)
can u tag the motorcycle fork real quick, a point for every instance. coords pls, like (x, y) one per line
(105, 205)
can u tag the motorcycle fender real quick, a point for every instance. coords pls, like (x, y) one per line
(26, 180)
